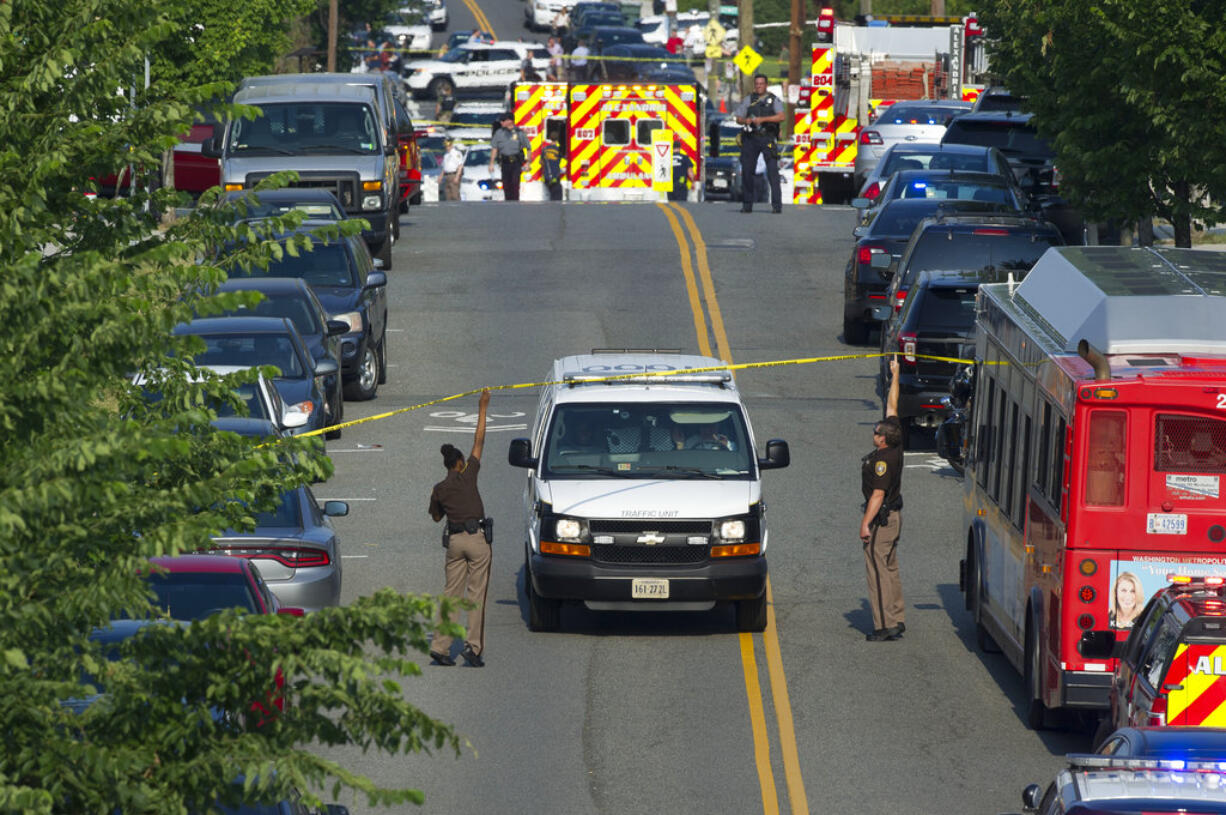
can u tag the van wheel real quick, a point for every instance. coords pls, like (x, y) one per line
(1036, 711)
(855, 332)
(544, 614)
(751, 614)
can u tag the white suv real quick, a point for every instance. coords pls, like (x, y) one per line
(644, 492)
(473, 67)
(540, 14)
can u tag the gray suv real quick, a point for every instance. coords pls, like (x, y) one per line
(333, 136)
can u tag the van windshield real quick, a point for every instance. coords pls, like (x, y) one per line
(648, 440)
(307, 127)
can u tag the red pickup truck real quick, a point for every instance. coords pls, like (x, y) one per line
(193, 172)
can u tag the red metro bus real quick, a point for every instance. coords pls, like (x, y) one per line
(1094, 456)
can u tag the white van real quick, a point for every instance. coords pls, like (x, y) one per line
(644, 493)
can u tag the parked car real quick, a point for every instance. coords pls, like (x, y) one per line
(295, 547)
(410, 29)
(640, 62)
(1170, 670)
(473, 68)
(1031, 156)
(1178, 743)
(934, 156)
(314, 203)
(475, 121)
(436, 12)
(996, 99)
(723, 179)
(479, 183)
(879, 243)
(1106, 785)
(292, 299)
(903, 122)
(352, 290)
(269, 341)
(191, 587)
(605, 32)
(948, 185)
(260, 397)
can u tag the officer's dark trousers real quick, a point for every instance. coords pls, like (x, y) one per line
(555, 191)
(510, 179)
(751, 147)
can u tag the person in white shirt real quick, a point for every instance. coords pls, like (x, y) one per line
(453, 169)
(578, 62)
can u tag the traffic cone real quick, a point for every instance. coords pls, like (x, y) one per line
(723, 105)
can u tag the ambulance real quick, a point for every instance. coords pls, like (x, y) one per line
(1172, 666)
(606, 133)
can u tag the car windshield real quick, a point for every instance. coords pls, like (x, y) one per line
(250, 395)
(648, 440)
(328, 264)
(936, 160)
(1011, 137)
(953, 251)
(307, 127)
(954, 189)
(195, 595)
(477, 157)
(293, 306)
(918, 115)
(252, 349)
(475, 117)
(455, 55)
(314, 210)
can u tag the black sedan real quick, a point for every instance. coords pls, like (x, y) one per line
(314, 203)
(252, 341)
(291, 298)
(949, 185)
(1177, 743)
(723, 178)
(640, 62)
(867, 276)
(350, 288)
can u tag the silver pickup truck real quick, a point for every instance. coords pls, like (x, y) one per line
(333, 136)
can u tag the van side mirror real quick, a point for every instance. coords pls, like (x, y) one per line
(1100, 645)
(376, 279)
(777, 455)
(211, 147)
(520, 454)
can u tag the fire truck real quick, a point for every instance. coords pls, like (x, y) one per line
(864, 70)
(606, 131)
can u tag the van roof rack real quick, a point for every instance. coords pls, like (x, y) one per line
(636, 350)
(721, 378)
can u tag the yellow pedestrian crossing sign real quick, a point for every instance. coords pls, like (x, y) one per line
(747, 60)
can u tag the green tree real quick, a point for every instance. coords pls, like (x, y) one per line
(95, 478)
(1131, 94)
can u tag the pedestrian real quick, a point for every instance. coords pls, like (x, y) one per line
(467, 541)
(444, 106)
(578, 61)
(555, 58)
(759, 115)
(509, 148)
(683, 173)
(881, 524)
(453, 171)
(551, 168)
(561, 22)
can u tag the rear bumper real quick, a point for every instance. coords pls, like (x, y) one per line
(562, 578)
(310, 589)
(1084, 690)
(862, 300)
(921, 401)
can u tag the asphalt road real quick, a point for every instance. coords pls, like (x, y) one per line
(675, 712)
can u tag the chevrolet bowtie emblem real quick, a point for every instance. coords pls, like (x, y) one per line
(651, 538)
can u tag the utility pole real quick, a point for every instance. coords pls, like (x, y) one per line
(332, 12)
(938, 8)
(745, 34)
(795, 32)
(866, 6)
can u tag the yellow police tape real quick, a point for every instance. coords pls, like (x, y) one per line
(740, 366)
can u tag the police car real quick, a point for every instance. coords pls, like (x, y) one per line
(473, 68)
(644, 492)
(1102, 785)
(1172, 666)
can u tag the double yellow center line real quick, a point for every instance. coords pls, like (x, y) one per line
(675, 214)
(483, 22)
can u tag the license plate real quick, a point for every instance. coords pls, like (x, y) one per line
(719, 183)
(1166, 523)
(649, 588)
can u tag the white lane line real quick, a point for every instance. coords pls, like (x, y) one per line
(357, 450)
(394, 330)
(348, 499)
(488, 429)
(354, 557)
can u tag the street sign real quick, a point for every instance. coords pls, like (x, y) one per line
(747, 60)
(662, 160)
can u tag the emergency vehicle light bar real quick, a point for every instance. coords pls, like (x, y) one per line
(1184, 579)
(1098, 762)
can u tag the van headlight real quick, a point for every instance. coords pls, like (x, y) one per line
(732, 530)
(371, 202)
(567, 528)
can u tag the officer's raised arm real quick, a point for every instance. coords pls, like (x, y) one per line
(891, 399)
(479, 436)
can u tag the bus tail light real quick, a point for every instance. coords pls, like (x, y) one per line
(1087, 594)
(906, 347)
(1085, 622)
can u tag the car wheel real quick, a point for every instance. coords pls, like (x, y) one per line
(442, 86)
(385, 254)
(383, 357)
(751, 614)
(544, 614)
(1035, 711)
(366, 385)
(855, 332)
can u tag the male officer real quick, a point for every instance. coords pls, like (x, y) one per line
(760, 114)
(509, 147)
(881, 482)
(551, 168)
(467, 565)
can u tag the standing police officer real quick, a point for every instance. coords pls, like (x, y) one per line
(467, 540)
(759, 114)
(881, 482)
(509, 147)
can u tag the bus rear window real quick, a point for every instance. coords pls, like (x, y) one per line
(1189, 444)
(1105, 462)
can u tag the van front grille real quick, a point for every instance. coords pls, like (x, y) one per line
(614, 553)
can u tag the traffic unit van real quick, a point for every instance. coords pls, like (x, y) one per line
(644, 492)
(333, 136)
